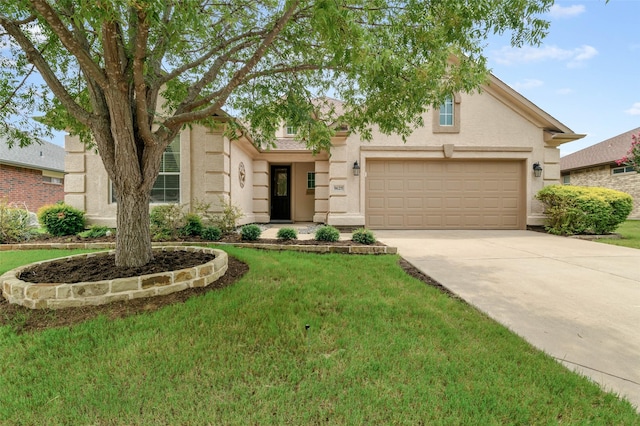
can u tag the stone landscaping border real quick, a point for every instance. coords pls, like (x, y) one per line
(67, 295)
(355, 249)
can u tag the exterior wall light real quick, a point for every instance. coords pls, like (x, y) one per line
(356, 169)
(537, 169)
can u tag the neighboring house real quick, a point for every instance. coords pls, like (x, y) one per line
(32, 176)
(469, 167)
(596, 166)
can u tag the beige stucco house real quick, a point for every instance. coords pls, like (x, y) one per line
(597, 166)
(469, 167)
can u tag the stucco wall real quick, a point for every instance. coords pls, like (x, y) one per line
(601, 176)
(303, 207)
(242, 196)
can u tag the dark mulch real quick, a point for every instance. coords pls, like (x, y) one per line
(25, 320)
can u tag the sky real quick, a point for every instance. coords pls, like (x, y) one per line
(586, 73)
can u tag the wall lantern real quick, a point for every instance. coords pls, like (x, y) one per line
(537, 169)
(356, 169)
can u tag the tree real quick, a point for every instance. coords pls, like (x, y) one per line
(127, 75)
(633, 154)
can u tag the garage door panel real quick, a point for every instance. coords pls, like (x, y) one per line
(447, 194)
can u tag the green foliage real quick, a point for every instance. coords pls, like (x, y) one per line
(166, 221)
(287, 234)
(61, 219)
(192, 226)
(250, 232)
(227, 219)
(633, 154)
(96, 231)
(15, 223)
(327, 233)
(363, 236)
(211, 233)
(583, 210)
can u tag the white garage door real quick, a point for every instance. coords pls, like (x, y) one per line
(446, 194)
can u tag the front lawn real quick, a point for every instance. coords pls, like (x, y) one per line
(381, 348)
(630, 231)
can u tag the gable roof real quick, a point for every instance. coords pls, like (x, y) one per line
(605, 152)
(41, 156)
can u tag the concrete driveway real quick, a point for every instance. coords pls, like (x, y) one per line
(577, 300)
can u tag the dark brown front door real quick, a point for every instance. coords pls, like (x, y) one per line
(280, 193)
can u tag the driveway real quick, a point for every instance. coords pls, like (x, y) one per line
(577, 300)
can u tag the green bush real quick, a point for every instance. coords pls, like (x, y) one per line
(61, 219)
(15, 224)
(211, 233)
(571, 210)
(96, 232)
(250, 232)
(363, 236)
(192, 226)
(166, 221)
(287, 234)
(227, 219)
(327, 233)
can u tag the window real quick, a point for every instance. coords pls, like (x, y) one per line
(446, 119)
(311, 180)
(623, 169)
(566, 180)
(166, 188)
(446, 112)
(54, 180)
(291, 130)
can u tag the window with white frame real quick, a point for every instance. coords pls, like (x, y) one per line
(311, 180)
(291, 130)
(446, 112)
(166, 188)
(566, 179)
(622, 169)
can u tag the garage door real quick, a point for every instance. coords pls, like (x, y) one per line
(416, 194)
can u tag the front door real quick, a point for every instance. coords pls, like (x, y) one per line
(280, 193)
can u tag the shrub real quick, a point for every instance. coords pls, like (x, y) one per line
(573, 210)
(61, 219)
(166, 221)
(15, 224)
(327, 233)
(250, 232)
(228, 218)
(96, 232)
(211, 233)
(192, 226)
(287, 234)
(363, 236)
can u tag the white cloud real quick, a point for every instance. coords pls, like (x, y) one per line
(564, 91)
(528, 83)
(634, 110)
(572, 57)
(557, 11)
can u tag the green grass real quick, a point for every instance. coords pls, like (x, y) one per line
(382, 348)
(13, 259)
(630, 231)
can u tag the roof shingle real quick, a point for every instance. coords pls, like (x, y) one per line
(605, 152)
(43, 156)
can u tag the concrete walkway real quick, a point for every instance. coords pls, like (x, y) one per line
(577, 300)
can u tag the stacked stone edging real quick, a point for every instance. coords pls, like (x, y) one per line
(67, 295)
(355, 249)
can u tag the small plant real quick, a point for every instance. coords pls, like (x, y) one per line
(166, 220)
(250, 232)
(15, 224)
(192, 226)
(363, 236)
(287, 234)
(228, 218)
(327, 233)
(96, 231)
(211, 233)
(61, 219)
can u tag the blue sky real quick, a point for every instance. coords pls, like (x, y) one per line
(586, 73)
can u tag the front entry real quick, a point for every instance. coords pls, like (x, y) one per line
(280, 193)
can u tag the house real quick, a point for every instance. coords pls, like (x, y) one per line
(597, 166)
(32, 176)
(469, 167)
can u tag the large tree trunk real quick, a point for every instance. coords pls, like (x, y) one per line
(133, 235)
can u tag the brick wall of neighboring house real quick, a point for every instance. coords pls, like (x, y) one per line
(27, 187)
(601, 176)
